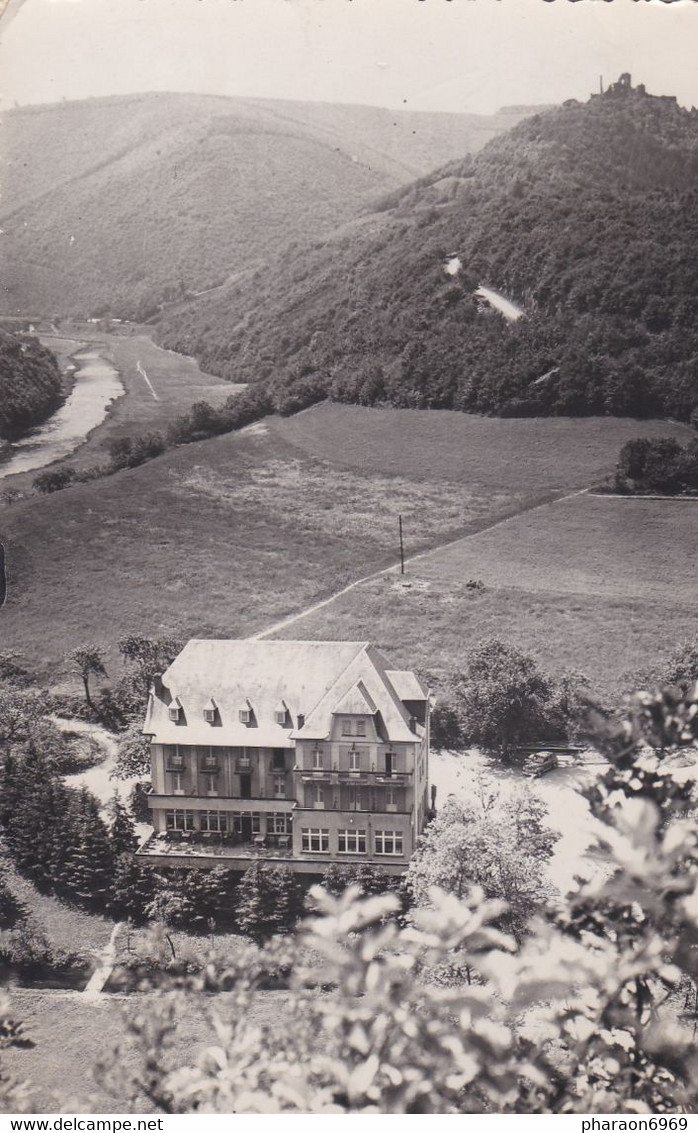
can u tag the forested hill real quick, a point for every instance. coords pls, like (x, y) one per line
(116, 205)
(585, 215)
(30, 384)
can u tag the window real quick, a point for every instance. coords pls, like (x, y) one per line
(389, 763)
(351, 841)
(361, 727)
(177, 783)
(279, 786)
(244, 762)
(280, 716)
(318, 759)
(315, 841)
(279, 759)
(237, 820)
(356, 798)
(174, 760)
(245, 714)
(209, 715)
(354, 760)
(279, 824)
(346, 727)
(208, 758)
(179, 819)
(388, 842)
(391, 798)
(211, 782)
(173, 713)
(214, 821)
(317, 794)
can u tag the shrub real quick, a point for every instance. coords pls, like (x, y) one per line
(54, 480)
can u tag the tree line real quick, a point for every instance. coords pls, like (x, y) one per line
(30, 384)
(660, 465)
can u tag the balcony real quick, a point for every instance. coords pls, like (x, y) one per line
(197, 843)
(218, 802)
(210, 763)
(174, 763)
(360, 778)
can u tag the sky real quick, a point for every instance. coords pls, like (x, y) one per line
(452, 55)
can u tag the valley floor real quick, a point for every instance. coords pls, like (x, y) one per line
(229, 536)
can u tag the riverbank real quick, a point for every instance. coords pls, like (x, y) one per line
(96, 384)
(177, 381)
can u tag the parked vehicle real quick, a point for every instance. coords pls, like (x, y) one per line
(540, 763)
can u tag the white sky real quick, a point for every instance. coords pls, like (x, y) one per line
(467, 55)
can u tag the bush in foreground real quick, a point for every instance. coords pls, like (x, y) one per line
(582, 1016)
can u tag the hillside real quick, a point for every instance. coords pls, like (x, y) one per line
(585, 215)
(30, 384)
(119, 204)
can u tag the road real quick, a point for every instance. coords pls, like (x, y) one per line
(511, 311)
(291, 619)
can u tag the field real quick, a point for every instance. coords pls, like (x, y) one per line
(490, 453)
(72, 1033)
(596, 584)
(68, 928)
(226, 537)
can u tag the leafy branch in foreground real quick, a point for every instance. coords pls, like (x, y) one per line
(585, 1015)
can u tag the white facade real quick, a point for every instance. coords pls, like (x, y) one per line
(304, 753)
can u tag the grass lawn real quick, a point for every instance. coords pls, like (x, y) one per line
(591, 546)
(219, 538)
(487, 453)
(68, 928)
(228, 536)
(620, 601)
(72, 1032)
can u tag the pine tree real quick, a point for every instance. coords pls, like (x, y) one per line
(285, 898)
(9, 788)
(122, 834)
(254, 911)
(133, 888)
(90, 866)
(269, 901)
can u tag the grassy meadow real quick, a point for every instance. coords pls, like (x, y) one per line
(219, 538)
(593, 583)
(228, 536)
(71, 1033)
(490, 453)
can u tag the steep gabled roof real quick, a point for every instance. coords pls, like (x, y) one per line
(356, 702)
(236, 672)
(369, 667)
(407, 684)
(313, 678)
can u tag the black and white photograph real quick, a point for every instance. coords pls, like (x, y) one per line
(348, 561)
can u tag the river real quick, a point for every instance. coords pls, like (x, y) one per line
(97, 384)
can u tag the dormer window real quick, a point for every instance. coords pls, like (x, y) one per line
(210, 711)
(174, 711)
(245, 713)
(280, 713)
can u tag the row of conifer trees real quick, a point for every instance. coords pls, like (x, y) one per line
(57, 837)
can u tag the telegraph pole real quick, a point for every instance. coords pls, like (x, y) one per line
(402, 549)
